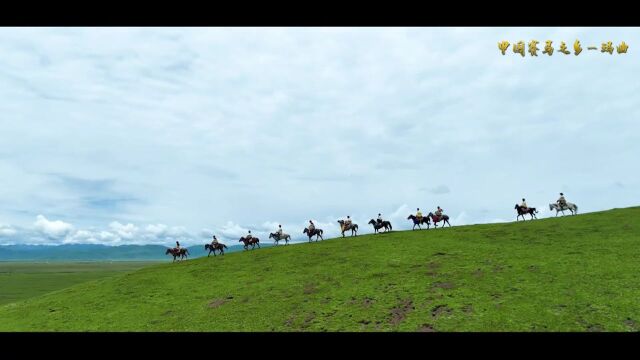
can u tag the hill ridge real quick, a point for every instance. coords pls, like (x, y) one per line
(572, 273)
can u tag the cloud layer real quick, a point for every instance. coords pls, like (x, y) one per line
(129, 135)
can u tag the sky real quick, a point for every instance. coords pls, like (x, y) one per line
(152, 135)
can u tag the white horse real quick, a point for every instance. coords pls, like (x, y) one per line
(571, 207)
(277, 237)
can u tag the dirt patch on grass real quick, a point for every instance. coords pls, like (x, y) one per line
(440, 310)
(217, 303)
(367, 302)
(439, 254)
(595, 328)
(443, 285)
(399, 313)
(478, 273)
(310, 288)
(467, 309)
(534, 268)
(432, 268)
(289, 322)
(426, 328)
(632, 324)
(308, 319)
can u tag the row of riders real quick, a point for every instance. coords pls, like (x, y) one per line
(311, 231)
(347, 224)
(560, 206)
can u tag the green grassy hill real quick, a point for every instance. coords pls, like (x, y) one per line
(560, 274)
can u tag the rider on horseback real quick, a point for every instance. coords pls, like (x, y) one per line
(312, 227)
(279, 231)
(438, 213)
(249, 236)
(418, 215)
(346, 223)
(215, 241)
(177, 246)
(562, 202)
(524, 206)
(379, 219)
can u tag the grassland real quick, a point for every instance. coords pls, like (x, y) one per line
(560, 274)
(23, 280)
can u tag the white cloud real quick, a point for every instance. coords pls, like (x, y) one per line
(7, 230)
(127, 231)
(280, 125)
(53, 229)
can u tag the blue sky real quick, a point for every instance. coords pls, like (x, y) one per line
(147, 135)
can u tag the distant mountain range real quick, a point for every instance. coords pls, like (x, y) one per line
(91, 252)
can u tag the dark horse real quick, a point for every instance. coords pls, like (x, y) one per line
(416, 222)
(253, 242)
(352, 227)
(213, 247)
(377, 226)
(436, 219)
(310, 234)
(183, 253)
(531, 211)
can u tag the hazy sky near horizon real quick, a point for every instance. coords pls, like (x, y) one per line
(148, 135)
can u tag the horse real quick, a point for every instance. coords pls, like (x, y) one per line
(571, 207)
(183, 253)
(424, 220)
(276, 237)
(437, 219)
(531, 211)
(253, 242)
(376, 226)
(310, 234)
(352, 227)
(213, 247)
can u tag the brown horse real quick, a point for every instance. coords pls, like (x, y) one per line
(352, 227)
(183, 253)
(253, 242)
(310, 234)
(418, 222)
(377, 226)
(531, 211)
(213, 247)
(436, 219)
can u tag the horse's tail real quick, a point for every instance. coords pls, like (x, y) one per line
(576, 208)
(390, 227)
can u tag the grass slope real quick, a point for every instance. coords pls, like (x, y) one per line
(560, 274)
(23, 280)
